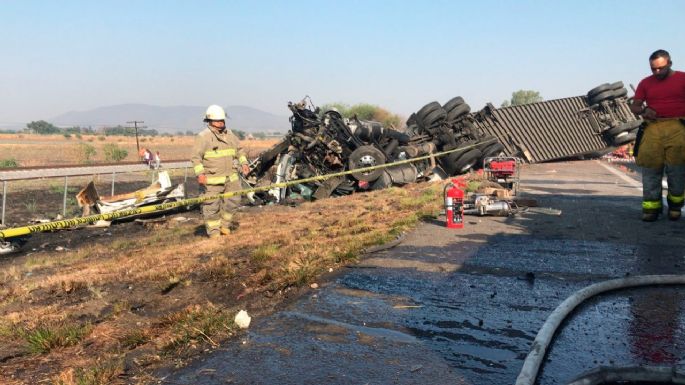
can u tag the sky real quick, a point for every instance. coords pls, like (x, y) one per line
(60, 56)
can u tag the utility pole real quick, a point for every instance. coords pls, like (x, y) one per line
(135, 125)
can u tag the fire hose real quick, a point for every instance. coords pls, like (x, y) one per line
(531, 365)
(68, 223)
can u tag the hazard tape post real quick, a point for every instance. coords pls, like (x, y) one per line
(69, 223)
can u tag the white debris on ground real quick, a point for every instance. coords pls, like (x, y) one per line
(242, 319)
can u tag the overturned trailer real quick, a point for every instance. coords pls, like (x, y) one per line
(577, 127)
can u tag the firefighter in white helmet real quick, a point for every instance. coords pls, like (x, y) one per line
(217, 157)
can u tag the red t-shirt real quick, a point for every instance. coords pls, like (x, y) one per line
(666, 97)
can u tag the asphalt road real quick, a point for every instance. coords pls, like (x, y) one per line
(463, 306)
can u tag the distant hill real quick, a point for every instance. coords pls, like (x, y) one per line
(172, 119)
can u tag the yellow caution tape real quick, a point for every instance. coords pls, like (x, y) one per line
(68, 223)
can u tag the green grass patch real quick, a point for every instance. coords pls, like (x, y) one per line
(199, 323)
(9, 163)
(264, 253)
(47, 337)
(134, 339)
(346, 256)
(102, 373)
(304, 272)
(404, 224)
(473, 185)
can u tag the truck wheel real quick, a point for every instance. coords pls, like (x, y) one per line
(457, 112)
(600, 97)
(486, 142)
(598, 90)
(467, 161)
(366, 156)
(453, 103)
(411, 120)
(617, 85)
(624, 138)
(619, 93)
(494, 149)
(623, 127)
(427, 110)
(434, 118)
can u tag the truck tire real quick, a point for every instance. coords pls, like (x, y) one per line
(486, 141)
(411, 120)
(624, 138)
(617, 85)
(434, 118)
(494, 149)
(467, 161)
(600, 97)
(366, 156)
(623, 127)
(619, 93)
(453, 103)
(460, 161)
(427, 110)
(458, 112)
(598, 90)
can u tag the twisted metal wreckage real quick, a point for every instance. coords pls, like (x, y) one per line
(320, 143)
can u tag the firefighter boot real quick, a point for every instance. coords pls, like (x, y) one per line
(675, 178)
(651, 193)
(673, 215)
(650, 216)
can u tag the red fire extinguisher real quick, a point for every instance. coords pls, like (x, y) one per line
(454, 203)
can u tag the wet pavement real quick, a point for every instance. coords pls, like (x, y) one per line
(463, 306)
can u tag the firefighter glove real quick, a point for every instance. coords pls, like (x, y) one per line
(245, 169)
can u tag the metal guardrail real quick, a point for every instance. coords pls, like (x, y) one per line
(38, 173)
(66, 172)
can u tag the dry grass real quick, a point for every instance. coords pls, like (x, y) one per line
(31, 150)
(208, 281)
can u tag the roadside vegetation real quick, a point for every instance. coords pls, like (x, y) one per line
(522, 97)
(365, 111)
(116, 310)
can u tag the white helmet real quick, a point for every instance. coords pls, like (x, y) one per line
(215, 112)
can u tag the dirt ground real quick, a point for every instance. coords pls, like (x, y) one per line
(119, 304)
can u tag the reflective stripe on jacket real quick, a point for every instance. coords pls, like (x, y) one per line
(213, 155)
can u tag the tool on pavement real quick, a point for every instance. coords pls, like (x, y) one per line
(454, 203)
(504, 170)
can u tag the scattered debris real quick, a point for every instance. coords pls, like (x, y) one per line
(101, 223)
(242, 319)
(314, 285)
(159, 192)
(9, 247)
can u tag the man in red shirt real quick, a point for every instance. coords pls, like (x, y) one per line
(660, 100)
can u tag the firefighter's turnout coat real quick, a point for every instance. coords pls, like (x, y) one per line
(218, 156)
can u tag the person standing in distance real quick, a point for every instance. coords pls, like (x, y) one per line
(660, 101)
(216, 157)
